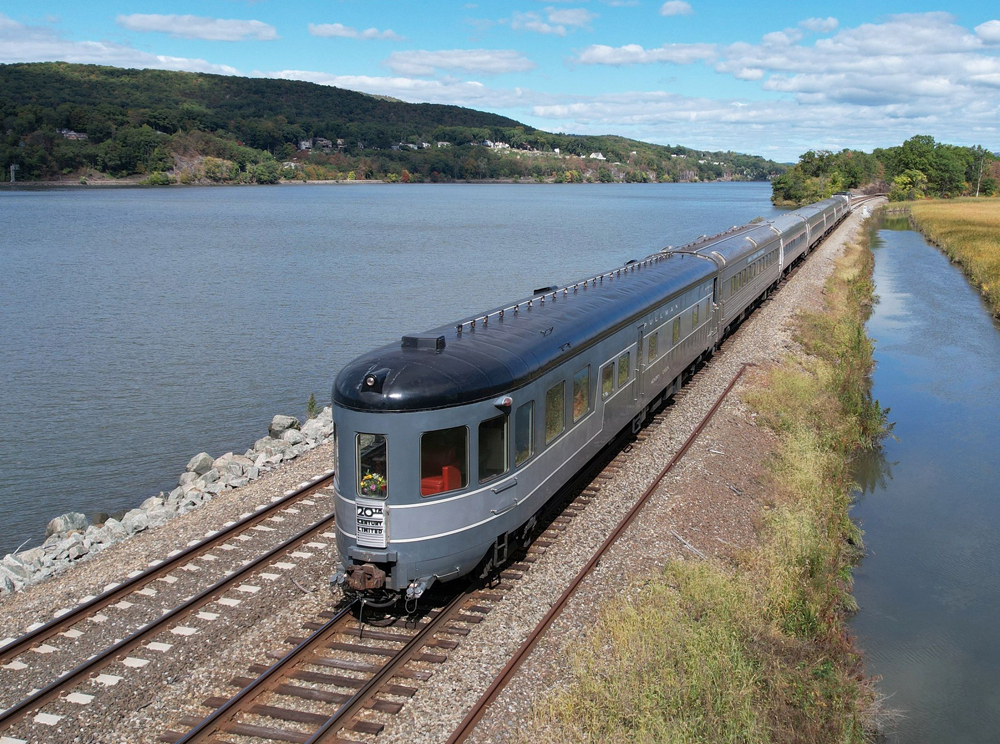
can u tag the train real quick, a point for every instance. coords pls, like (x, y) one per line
(448, 444)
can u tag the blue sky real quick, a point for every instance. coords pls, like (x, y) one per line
(773, 79)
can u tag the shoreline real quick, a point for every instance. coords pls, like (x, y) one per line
(121, 184)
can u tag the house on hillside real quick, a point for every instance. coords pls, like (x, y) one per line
(597, 156)
(444, 144)
(306, 144)
(71, 135)
(322, 143)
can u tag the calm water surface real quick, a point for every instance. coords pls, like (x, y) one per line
(929, 588)
(140, 327)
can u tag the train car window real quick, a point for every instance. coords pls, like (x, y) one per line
(607, 380)
(336, 453)
(651, 352)
(623, 368)
(524, 433)
(444, 460)
(492, 448)
(694, 316)
(373, 477)
(676, 332)
(555, 411)
(581, 393)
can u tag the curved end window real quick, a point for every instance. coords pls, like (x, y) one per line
(492, 448)
(555, 411)
(444, 460)
(336, 453)
(524, 433)
(373, 477)
(581, 393)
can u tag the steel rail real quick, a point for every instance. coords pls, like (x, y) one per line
(365, 693)
(74, 676)
(215, 721)
(19, 645)
(500, 681)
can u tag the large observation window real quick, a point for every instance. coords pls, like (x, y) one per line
(524, 433)
(444, 460)
(581, 393)
(492, 448)
(373, 477)
(555, 411)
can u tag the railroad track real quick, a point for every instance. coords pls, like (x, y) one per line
(139, 584)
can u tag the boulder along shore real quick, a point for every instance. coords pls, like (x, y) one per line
(72, 537)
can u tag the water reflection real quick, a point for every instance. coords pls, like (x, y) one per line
(872, 471)
(929, 587)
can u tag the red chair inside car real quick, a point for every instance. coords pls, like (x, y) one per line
(450, 479)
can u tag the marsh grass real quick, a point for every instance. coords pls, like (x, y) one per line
(754, 650)
(968, 231)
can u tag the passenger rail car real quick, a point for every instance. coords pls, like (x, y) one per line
(449, 443)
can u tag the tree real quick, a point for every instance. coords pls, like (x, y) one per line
(908, 185)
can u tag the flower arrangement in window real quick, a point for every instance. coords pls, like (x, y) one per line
(372, 484)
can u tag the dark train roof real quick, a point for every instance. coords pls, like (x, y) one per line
(508, 352)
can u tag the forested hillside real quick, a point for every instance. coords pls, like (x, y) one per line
(63, 119)
(919, 167)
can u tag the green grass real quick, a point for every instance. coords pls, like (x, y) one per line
(756, 649)
(968, 231)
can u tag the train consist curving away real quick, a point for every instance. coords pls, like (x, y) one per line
(448, 444)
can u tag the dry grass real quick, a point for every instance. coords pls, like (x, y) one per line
(756, 650)
(968, 230)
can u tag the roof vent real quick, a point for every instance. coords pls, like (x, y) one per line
(431, 343)
(544, 290)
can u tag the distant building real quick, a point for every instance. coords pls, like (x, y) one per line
(411, 145)
(597, 156)
(501, 146)
(306, 144)
(322, 143)
(488, 143)
(340, 144)
(555, 150)
(71, 135)
(444, 144)
(425, 144)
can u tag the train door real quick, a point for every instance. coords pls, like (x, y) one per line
(641, 362)
(781, 255)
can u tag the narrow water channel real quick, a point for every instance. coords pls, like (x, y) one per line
(929, 587)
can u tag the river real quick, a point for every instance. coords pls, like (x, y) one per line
(929, 587)
(141, 326)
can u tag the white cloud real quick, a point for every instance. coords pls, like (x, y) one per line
(24, 43)
(488, 61)
(416, 90)
(923, 61)
(675, 8)
(989, 32)
(348, 32)
(819, 25)
(199, 27)
(576, 17)
(634, 54)
(557, 21)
